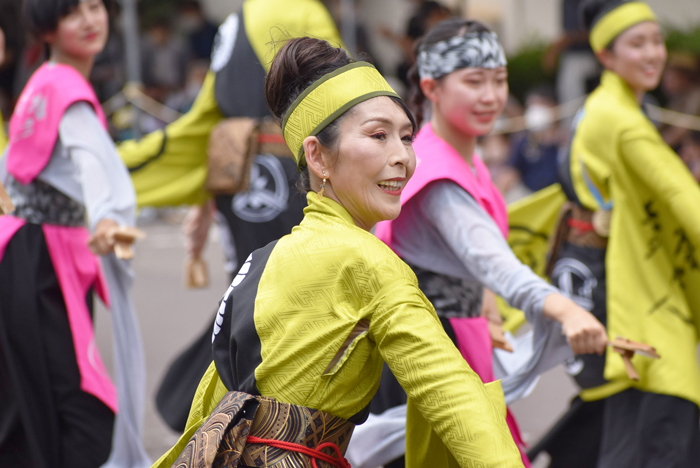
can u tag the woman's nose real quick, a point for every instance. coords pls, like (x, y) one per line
(489, 94)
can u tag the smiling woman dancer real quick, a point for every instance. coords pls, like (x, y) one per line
(57, 403)
(632, 247)
(305, 326)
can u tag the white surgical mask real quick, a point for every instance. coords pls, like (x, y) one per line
(538, 118)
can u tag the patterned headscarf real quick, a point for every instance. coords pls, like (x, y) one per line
(473, 50)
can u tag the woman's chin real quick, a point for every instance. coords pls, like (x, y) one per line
(390, 214)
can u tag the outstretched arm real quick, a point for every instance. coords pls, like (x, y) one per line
(469, 420)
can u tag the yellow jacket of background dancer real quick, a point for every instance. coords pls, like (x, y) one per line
(652, 265)
(3, 135)
(331, 286)
(169, 167)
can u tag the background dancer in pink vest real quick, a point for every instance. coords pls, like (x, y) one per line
(62, 171)
(453, 223)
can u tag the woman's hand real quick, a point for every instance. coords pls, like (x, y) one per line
(489, 308)
(102, 240)
(585, 334)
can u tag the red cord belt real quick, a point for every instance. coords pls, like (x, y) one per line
(580, 226)
(337, 462)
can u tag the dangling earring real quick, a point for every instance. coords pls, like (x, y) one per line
(323, 185)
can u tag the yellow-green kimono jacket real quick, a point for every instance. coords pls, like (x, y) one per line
(169, 167)
(310, 319)
(653, 281)
(3, 135)
(652, 277)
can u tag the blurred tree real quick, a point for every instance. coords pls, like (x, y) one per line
(526, 70)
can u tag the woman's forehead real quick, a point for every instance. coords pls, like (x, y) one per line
(642, 30)
(379, 109)
(481, 71)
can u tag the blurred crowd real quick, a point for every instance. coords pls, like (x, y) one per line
(176, 45)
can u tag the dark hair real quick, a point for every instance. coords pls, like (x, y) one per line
(592, 11)
(543, 91)
(440, 32)
(297, 65)
(42, 16)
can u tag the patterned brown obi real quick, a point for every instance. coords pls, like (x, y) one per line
(221, 442)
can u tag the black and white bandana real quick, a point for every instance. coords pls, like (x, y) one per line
(474, 50)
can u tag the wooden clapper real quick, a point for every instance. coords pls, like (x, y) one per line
(196, 273)
(6, 206)
(124, 237)
(498, 337)
(627, 349)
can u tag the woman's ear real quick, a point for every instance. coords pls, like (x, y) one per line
(49, 38)
(606, 57)
(314, 156)
(429, 88)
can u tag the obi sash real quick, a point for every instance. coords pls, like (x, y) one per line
(231, 435)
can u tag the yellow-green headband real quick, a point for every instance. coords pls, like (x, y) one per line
(327, 99)
(617, 21)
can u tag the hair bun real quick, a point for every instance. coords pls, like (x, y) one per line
(297, 65)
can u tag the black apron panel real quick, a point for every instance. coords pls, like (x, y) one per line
(179, 385)
(239, 88)
(268, 210)
(580, 274)
(236, 343)
(44, 414)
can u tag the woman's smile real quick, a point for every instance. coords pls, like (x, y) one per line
(392, 186)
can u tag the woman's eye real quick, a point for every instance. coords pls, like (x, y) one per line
(408, 139)
(379, 136)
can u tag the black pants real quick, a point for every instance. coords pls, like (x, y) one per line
(631, 429)
(46, 420)
(648, 430)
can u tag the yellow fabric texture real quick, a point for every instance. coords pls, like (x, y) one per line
(617, 21)
(531, 222)
(3, 135)
(303, 319)
(280, 20)
(176, 175)
(326, 99)
(651, 262)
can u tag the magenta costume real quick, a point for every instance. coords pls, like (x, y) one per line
(60, 405)
(33, 134)
(438, 161)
